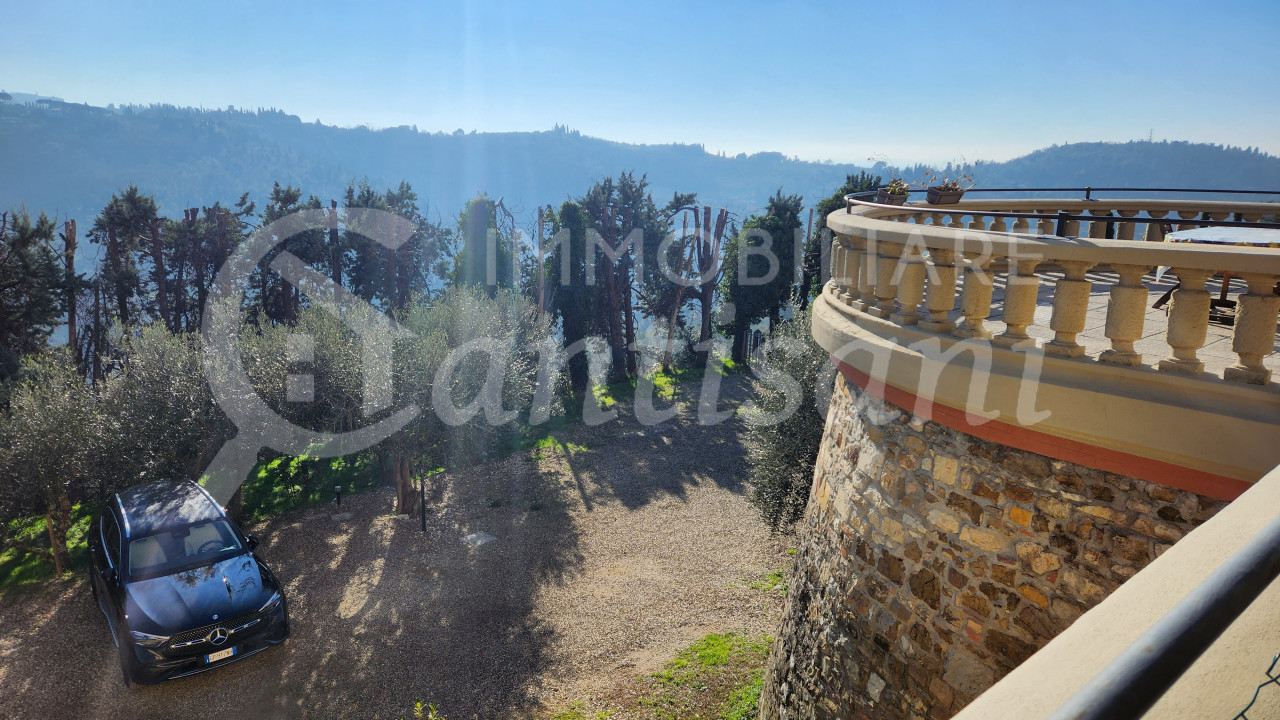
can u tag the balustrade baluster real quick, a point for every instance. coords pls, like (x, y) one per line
(837, 249)
(975, 301)
(1124, 230)
(1020, 225)
(1098, 228)
(852, 266)
(1254, 335)
(1044, 226)
(1126, 313)
(886, 291)
(910, 289)
(999, 224)
(1021, 286)
(1152, 233)
(942, 292)
(866, 279)
(1188, 323)
(1187, 215)
(1070, 304)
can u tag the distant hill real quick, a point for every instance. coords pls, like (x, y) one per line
(69, 158)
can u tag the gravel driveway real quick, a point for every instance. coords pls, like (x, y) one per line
(606, 562)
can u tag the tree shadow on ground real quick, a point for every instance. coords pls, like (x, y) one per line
(634, 463)
(382, 614)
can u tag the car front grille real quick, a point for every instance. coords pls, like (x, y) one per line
(191, 642)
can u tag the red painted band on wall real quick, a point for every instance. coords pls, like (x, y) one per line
(1016, 436)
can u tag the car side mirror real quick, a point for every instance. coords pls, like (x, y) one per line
(251, 542)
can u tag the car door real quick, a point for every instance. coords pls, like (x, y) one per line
(107, 572)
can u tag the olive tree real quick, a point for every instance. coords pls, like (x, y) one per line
(48, 452)
(784, 428)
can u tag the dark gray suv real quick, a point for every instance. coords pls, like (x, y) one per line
(179, 584)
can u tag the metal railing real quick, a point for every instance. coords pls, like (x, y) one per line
(1062, 217)
(1134, 681)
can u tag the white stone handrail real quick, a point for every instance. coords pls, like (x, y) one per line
(910, 310)
(887, 261)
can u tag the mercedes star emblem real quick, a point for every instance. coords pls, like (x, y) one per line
(218, 636)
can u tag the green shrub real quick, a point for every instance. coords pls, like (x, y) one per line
(783, 453)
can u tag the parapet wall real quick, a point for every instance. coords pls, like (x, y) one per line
(932, 562)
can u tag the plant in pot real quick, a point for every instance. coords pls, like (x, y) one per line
(895, 193)
(948, 190)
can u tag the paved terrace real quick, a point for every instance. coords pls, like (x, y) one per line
(1216, 351)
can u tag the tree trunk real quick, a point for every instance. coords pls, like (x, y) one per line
(618, 371)
(69, 258)
(116, 263)
(542, 265)
(629, 317)
(704, 335)
(97, 331)
(157, 262)
(406, 494)
(335, 250)
(740, 345)
(57, 539)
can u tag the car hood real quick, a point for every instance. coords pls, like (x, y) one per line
(200, 596)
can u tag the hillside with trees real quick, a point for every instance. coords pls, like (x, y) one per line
(67, 159)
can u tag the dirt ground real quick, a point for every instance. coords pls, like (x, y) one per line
(607, 560)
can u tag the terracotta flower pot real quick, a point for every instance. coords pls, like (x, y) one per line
(884, 197)
(938, 196)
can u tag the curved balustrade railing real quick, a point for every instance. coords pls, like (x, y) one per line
(904, 264)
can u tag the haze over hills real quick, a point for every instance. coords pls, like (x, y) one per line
(68, 159)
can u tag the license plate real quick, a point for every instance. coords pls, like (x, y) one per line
(220, 655)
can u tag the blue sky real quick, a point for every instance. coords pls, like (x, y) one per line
(904, 81)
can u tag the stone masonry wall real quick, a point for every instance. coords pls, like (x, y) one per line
(931, 562)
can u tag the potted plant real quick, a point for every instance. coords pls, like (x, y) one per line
(948, 190)
(895, 193)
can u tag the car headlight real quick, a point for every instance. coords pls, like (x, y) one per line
(272, 604)
(147, 639)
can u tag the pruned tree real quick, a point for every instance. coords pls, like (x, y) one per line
(705, 248)
(48, 452)
(760, 268)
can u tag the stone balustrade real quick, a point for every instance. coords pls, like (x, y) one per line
(902, 274)
(866, 244)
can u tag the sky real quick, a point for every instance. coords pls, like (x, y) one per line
(902, 82)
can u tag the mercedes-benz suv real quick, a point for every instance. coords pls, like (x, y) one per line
(179, 584)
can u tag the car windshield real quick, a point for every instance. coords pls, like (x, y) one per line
(180, 549)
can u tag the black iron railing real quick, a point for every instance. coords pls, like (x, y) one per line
(1061, 218)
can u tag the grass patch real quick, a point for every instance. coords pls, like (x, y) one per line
(21, 568)
(575, 712)
(290, 483)
(774, 581)
(552, 442)
(667, 386)
(717, 678)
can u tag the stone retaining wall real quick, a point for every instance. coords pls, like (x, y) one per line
(931, 562)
